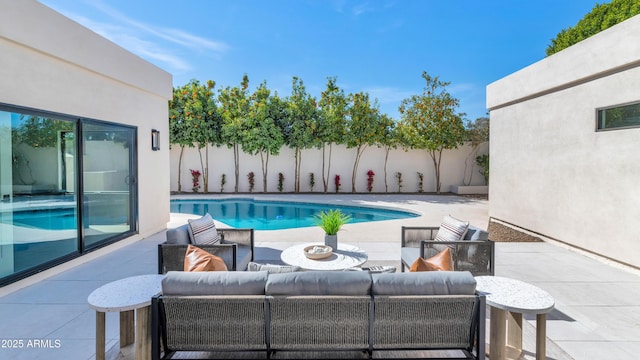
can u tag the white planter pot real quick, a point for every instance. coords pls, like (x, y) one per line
(467, 190)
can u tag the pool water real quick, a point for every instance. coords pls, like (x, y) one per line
(277, 215)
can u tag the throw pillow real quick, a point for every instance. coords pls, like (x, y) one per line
(197, 259)
(443, 261)
(271, 268)
(203, 231)
(452, 229)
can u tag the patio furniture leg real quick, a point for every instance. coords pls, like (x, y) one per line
(126, 328)
(514, 329)
(100, 335)
(143, 333)
(497, 334)
(541, 336)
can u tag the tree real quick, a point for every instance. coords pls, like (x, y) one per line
(430, 121)
(262, 135)
(364, 128)
(477, 134)
(234, 107)
(299, 126)
(390, 140)
(332, 123)
(194, 119)
(601, 17)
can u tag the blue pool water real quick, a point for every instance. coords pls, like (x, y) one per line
(52, 219)
(276, 215)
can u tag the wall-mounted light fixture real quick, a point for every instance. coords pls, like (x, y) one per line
(155, 140)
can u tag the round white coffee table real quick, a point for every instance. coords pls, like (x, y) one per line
(513, 297)
(126, 296)
(345, 257)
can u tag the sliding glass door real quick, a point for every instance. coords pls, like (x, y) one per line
(108, 182)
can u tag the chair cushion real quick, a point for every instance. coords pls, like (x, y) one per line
(424, 283)
(203, 231)
(272, 268)
(452, 229)
(409, 254)
(214, 283)
(244, 257)
(345, 283)
(474, 233)
(443, 261)
(196, 259)
(179, 235)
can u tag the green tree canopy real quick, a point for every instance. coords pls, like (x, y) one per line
(430, 121)
(601, 17)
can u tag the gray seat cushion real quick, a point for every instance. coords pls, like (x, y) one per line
(424, 283)
(474, 233)
(339, 283)
(214, 283)
(244, 257)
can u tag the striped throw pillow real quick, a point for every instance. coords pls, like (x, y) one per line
(203, 231)
(452, 229)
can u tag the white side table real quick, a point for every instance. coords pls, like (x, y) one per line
(514, 298)
(126, 296)
(346, 256)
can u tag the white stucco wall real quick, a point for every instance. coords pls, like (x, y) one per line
(51, 63)
(551, 171)
(409, 163)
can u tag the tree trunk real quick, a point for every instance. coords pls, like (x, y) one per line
(265, 169)
(324, 177)
(296, 181)
(436, 157)
(386, 158)
(359, 152)
(236, 161)
(201, 163)
(180, 168)
(205, 174)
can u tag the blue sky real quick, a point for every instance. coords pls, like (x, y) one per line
(378, 46)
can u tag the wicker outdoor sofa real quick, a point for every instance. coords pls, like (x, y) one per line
(236, 248)
(474, 253)
(318, 311)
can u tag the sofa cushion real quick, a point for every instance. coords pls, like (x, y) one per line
(476, 234)
(452, 229)
(272, 268)
(440, 262)
(203, 231)
(243, 257)
(196, 259)
(345, 283)
(424, 283)
(179, 235)
(214, 283)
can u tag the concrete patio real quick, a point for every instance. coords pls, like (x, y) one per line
(597, 312)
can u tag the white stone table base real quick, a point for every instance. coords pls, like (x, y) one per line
(126, 296)
(509, 299)
(345, 257)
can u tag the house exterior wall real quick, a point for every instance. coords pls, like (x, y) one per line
(551, 171)
(52, 63)
(457, 165)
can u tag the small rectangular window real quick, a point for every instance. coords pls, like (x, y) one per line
(624, 116)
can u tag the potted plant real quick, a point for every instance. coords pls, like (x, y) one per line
(331, 221)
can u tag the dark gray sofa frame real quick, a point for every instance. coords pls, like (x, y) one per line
(419, 241)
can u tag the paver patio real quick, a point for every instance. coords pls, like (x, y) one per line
(597, 313)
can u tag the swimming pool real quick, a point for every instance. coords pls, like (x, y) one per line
(277, 215)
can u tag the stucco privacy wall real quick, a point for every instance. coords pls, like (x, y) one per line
(551, 171)
(51, 63)
(409, 163)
